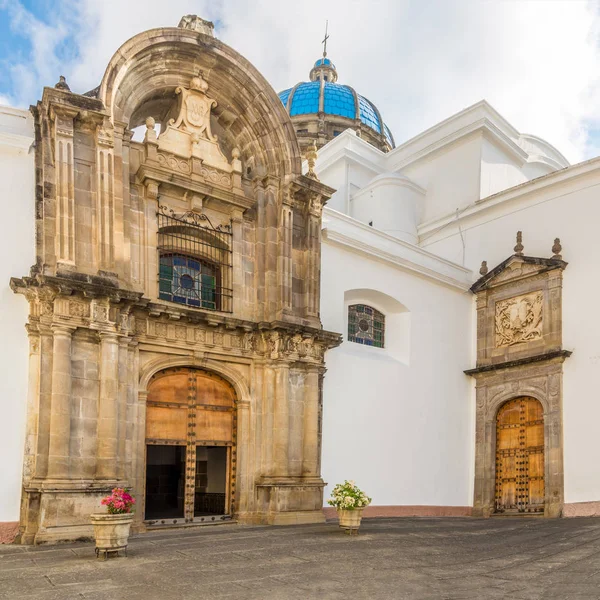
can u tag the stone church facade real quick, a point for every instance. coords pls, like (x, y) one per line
(174, 302)
(188, 278)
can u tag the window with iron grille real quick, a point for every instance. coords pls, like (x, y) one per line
(366, 325)
(195, 261)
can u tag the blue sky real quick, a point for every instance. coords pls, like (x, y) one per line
(536, 61)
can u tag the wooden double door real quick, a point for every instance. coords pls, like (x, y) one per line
(190, 447)
(520, 457)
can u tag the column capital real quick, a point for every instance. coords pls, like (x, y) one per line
(62, 329)
(109, 336)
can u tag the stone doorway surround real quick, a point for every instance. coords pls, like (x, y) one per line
(519, 353)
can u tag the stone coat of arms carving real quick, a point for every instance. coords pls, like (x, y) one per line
(519, 319)
(190, 133)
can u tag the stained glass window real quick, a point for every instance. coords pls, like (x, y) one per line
(366, 325)
(188, 281)
(195, 261)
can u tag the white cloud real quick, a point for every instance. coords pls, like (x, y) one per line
(537, 62)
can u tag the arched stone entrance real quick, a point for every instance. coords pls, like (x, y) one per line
(520, 457)
(190, 443)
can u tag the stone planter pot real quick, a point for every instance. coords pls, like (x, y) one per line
(111, 532)
(350, 519)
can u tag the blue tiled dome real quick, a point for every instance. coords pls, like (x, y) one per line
(324, 96)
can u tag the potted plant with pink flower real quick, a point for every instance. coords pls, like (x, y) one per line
(111, 529)
(350, 501)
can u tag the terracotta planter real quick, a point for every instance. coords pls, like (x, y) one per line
(111, 532)
(350, 519)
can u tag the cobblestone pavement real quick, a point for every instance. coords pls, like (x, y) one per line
(527, 559)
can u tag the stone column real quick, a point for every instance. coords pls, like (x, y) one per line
(60, 406)
(45, 401)
(281, 421)
(106, 467)
(131, 449)
(139, 442)
(31, 430)
(243, 488)
(122, 406)
(310, 445)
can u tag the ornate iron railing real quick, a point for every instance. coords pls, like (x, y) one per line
(195, 261)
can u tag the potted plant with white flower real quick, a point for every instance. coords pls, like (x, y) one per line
(350, 501)
(111, 529)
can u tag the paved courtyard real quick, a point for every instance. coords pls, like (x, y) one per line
(391, 558)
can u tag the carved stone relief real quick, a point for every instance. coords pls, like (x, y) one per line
(519, 319)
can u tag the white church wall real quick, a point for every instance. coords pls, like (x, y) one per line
(499, 170)
(17, 249)
(568, 209)
(391, 203)
(450, 176)
(398, 420)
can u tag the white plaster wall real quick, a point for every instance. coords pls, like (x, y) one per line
(498, 170)
(17, 251)
(450, 176)
(571, 212)
(391, 203)
(402, 430)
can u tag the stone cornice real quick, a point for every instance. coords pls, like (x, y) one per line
(159, 174)
(557, 354)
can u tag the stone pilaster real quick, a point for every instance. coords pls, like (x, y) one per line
(281, 420)
(286, 223)
(60, 409)
(313, 257)
(310, 445)
(65, 186)
(123, 374)
(108, 409)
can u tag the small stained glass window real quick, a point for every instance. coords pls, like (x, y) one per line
(366, 325)
(188, 281)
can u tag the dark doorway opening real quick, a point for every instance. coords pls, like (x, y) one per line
(211, 480)
(165, 482)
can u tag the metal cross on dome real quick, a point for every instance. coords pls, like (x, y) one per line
(324, 42)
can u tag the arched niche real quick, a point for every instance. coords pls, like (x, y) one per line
(141, 79)
(397, 321)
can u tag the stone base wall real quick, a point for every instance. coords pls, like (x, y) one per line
(582, 509)
(408, 511)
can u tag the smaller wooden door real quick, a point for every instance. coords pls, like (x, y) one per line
(520, 457)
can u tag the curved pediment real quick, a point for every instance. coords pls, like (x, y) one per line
(144, 75)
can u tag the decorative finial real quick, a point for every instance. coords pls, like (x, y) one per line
(150, 132)
(484, 268)
(311, 157)
(557, 249)
(324, 42)
(62, 84)
(196, 23)
(198, 83)
(519, 246)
